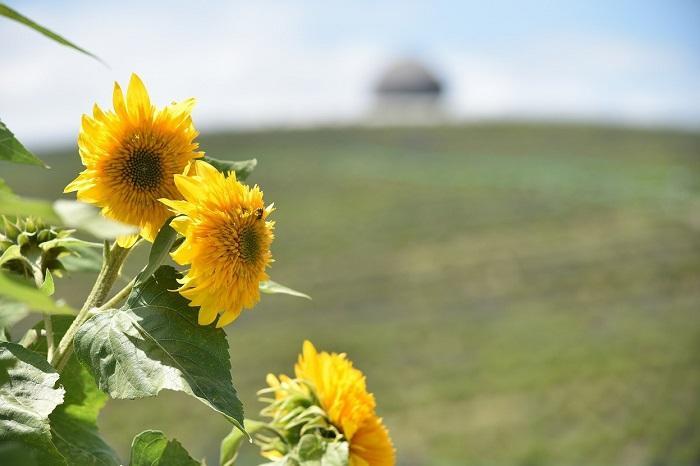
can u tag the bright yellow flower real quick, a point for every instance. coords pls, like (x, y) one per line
(342, 393)
(131, 155)
(227, 242)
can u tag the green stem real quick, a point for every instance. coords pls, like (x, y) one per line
(30, 338)
(48, 326)
(113, 259)
(119, 297)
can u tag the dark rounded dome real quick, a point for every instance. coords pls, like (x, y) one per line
(408, 77)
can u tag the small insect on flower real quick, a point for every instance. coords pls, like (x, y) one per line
(131, 155)
(340, 391)
(227, 242)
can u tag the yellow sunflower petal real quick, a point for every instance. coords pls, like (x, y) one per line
(205, 170)
(127, 241)
(180, 224)
(371, 445)
(206, 316)
(77, 183)
(226, 318)
(97, 113)
(118, 102)
(137, 100)
(188, 187)
(184, 107)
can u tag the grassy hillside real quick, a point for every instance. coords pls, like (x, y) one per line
(516, 294)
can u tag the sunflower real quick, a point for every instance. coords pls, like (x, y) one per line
(227, 242)
(342, 394)
(131, 154)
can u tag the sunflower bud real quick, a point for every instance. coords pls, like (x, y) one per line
(297, 419)
(35, 246)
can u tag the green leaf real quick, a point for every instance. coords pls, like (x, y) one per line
(270, 287)
(11, 149)
(68, 242)
(74, 428)
(154, 342)
(159, 251)
(313, 450)
(286, 461)
(48, 286)
(83, 259)
(233, 441)
(15, 15)
(28, 394)
(11, 253)
(11, 312)
(152, 448)
(11, 204)
(88, 218)
(16, 290)
(243, 168)
(74, 423)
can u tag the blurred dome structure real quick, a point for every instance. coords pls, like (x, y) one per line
(406, 94)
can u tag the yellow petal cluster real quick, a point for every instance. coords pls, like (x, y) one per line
(131, 155)
(227, 242)
(342, 392)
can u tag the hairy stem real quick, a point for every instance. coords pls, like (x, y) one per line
(120, 296)
(113, 259)
(48, 326)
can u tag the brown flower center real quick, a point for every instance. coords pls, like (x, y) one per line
(243, 240)
(143, 169)
(249, 244)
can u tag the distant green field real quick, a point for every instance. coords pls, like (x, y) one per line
(516, 294)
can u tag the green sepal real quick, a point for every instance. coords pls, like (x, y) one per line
(242, 168)
(270, 287)
(152, 448)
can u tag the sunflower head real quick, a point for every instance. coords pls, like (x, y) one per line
(227, 242)
(337, 390)
(130, 155)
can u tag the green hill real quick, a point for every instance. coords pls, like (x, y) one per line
(516, 294)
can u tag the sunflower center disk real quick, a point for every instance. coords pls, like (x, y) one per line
(248, 244)
(143, 169)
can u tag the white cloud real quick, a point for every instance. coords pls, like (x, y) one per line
(247, 65)
(259, 63)
(577, 77)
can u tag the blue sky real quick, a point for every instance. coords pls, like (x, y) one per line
(298, 63)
